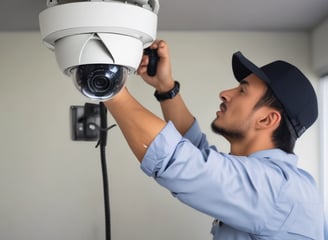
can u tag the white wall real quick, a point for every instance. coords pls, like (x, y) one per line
(51, 187)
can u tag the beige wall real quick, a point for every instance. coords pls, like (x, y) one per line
(51, 187)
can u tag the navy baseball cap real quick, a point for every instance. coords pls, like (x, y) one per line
(289, 85)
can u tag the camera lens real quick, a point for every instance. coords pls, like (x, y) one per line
(100, 81)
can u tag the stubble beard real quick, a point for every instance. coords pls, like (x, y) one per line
(228, 134)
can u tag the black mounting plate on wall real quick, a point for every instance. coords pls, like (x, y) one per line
(85, 122)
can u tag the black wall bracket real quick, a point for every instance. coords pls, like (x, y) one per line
(85, 122)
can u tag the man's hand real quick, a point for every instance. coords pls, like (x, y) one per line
(163, 80)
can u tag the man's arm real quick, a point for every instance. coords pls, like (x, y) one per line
(138, 125)
(174, 109)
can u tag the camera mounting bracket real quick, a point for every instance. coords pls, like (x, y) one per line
(85, 122)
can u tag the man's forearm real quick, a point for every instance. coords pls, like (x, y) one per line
(176, 111)
(138, 125)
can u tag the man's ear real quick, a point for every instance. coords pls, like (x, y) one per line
(270, 118)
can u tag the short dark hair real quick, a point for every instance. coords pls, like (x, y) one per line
(284, 137)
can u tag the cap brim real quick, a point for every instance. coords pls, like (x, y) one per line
(242, 67)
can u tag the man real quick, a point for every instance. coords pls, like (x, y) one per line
(254, 192)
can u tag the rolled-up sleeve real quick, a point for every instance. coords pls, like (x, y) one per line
(186, 166)
(160, 150)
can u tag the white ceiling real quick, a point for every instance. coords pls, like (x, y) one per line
(258, 15)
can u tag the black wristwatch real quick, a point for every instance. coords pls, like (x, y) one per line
(168, 95)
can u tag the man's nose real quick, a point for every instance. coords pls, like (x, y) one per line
(226, 95)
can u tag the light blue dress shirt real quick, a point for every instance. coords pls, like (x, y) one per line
(261, 196)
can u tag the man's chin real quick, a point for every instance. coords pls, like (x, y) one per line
(229, 134)
(216, 128)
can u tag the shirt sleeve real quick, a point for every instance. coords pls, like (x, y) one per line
(214, 183)
(196, 137)
(163, 146)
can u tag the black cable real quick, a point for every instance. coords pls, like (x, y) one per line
(106, 192)
(103, 142)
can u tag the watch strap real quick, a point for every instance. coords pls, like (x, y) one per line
(168, 95)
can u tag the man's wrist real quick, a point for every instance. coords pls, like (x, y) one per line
(167, 86)
(162, 96)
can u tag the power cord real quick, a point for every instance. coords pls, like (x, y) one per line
(102, 142)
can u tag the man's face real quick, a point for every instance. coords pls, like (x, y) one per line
(236, 116)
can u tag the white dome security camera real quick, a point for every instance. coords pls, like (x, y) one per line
(98, 43)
